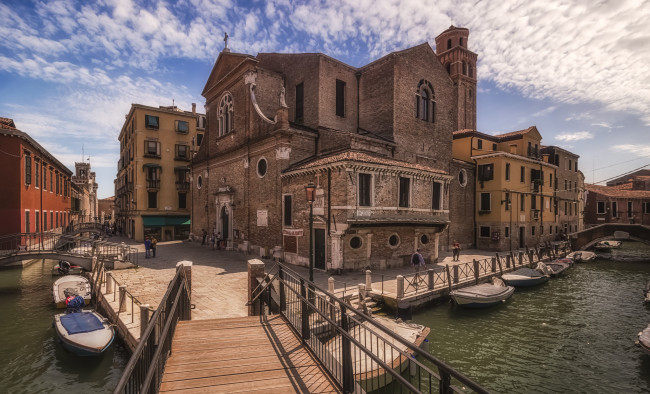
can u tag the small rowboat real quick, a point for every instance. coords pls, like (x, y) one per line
(644, 340)
(554, 268)
(525, 277)
(582, 256)
(607, 245)
(483, 295)
(70, 285)
(84, 333)
(59, 270)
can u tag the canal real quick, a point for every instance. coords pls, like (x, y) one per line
(31, 359)
(572, 334)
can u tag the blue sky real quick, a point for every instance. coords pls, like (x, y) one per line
(579, 70)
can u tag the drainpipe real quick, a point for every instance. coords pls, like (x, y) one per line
(329, 199)
(358, 75)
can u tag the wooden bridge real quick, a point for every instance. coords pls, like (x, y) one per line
(588, 237)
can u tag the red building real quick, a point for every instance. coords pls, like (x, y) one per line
(627, 202)
(35, 193)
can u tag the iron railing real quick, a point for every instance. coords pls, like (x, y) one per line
(144, 371)
(361, 354)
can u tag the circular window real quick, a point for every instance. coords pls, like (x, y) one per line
(199, 181)
(462, 177)
(261, 167)
(393, 240)
(355, 242)
(424, 239)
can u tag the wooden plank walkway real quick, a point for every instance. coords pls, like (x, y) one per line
(243, 354)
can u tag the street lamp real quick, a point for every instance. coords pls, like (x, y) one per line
(310, 191)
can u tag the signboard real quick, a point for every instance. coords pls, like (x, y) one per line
(319, 202)
(294, 232)
(262, 218)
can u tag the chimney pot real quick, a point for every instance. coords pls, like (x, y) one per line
(193, 108)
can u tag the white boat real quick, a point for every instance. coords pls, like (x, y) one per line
(607, 245)
(524, 277)
(483, 295)
(555, 267)
(66, 269)
(581, 256)
(70, 285)
(84, 333)
(644, 340)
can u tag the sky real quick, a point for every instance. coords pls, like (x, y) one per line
(579, 70)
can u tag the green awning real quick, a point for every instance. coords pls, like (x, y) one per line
(181, 168)
(160, 221)
(151, 165)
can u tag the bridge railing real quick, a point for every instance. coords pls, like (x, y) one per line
(359, 353)
(84, 226)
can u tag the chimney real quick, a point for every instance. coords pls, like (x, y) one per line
(545, 157)
(193, 108)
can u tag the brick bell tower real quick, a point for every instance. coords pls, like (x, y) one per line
(460, 63)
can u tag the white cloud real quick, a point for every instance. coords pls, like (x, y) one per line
(545, 111)
(640, 150)
(577, 136)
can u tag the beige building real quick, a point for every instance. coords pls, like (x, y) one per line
(153, 197)
(84, 179)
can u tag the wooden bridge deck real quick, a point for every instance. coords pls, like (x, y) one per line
(244, 354)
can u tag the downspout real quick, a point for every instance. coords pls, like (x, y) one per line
(471, 154)
(329, 199)
(358, 75)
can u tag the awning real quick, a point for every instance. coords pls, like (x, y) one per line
(159, 221)
(151, 165)
(181, 168)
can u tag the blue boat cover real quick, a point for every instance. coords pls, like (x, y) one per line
(77, 323)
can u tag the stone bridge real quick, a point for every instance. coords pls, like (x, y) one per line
(586, 238)
(86, 227)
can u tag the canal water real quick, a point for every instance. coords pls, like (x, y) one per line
(572, 334)
(31, 358)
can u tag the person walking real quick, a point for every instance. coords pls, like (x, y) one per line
(154, 242)
(417, 261)
(456, 251)
(147, 247)
(205, 235)
(218, 239)
(212, 241)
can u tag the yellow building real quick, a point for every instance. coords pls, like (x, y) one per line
(514, 188)
(152, 185)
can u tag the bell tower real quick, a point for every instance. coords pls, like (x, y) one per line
(460, 63)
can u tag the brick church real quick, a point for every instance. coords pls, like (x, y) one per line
(376, 141)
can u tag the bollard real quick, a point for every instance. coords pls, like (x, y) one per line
(255, 270)
(521, 258)
(425, 345)
(122, 299)
(400, 286)
(476, 268)
(110, 283)
(413, 367)
(330, 285)
(144, 318)
(368, 280)
(507, 261)
(455, 274)
(362, 291)
(430, 279)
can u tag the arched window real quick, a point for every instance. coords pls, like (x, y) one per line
(425, 105)
(461, 41)
(449, 43)
(464, 68)
(225, 115)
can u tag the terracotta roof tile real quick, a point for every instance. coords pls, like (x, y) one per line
(618, 191)
(6, 123)
(513, 133)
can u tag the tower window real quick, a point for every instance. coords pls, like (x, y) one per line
(464, 68)
(461, 41)
(449, 43)
(470, 70)
(340, 98)
(225, 115)
(448, 68)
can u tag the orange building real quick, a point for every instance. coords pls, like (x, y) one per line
(35, 193)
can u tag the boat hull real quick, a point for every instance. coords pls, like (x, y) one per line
(644, 340)
(85, 344)
(523, 281)
(467, 298)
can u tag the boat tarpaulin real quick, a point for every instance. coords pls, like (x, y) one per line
(77, 323)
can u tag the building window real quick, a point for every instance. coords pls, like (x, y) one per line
(479, 143)
(462, 177)
(152, 200)
(365, 190)
(522, 202)
(494, 147)
(449, 43)
(44, 176)
(424, 239)
(225, 115)
(646, 207)
(288, 210)
(300, 102)
(56, 220)
(507, 201)
(470, 72)
(182, 152)
(52, 219)
(404, 192)
(51, 180)
(506, 233)
(182, 200)
(485, 202)
(570, 165)
(27, 229)
(522, 176)
(485, 172)
(261, 167)
(28, 168)
(629, 209)
(600, 207)
(199, 182)
(533, 202)
(340, 98)
(37, 172)
(183, 126)
(393, 240)
(507, 171)
(484, 232)
(37, 221)
(448, 66)
(575, 165)
(532, 230)
(44, 221)
(151, 122)
(437, 196)
(152, 148)
(550, 179)
(355, 242)
(199, 139)
(425, 105)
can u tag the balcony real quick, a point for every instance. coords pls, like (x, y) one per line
(152, 155)
(534, 153)
(153, 183)
(182, 158)
(182, 186)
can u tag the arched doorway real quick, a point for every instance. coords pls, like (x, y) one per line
(225, 223)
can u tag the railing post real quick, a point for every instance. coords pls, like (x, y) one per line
(368, 280)
(494, 264)
(283, 299)
(476, 273)
(144, 318)
(400, 286)
(430, 282)
(508, 261)
(445, 382)
(448, 277)
(330, 285)
(346, 350)
(521, 258)
(187, 267)
(110, 283)
(304, 311)
(455, 274)
(255, 270)
(122, 299)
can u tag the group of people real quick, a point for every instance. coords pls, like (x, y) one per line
(150, 247)
(216, 241)
(417, 261)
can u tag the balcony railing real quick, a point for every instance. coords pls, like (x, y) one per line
(153, 183)
(182, 186)
(182, 158)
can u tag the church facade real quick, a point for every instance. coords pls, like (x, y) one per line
(376, 142)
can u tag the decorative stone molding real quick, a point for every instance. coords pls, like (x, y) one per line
(282, 153)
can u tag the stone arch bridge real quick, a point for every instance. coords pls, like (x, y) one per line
(586, 238)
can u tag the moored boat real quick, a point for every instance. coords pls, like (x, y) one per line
(525, 277)
(70, 285)
(644, 340)
(607, 245)
(483, 295)
(84, 333)
(65, 268)
(646, 293)
(555, 267)
(582, 256)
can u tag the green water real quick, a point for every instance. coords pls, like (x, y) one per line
(31, 358)
(572, 334)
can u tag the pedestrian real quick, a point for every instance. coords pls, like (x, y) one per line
(147, 246)
(213, 240)
(205, 235)
(218, 240)
(456, 251)
(154, 242)
(417, 261)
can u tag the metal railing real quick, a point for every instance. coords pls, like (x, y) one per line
(361, 354)
(144, 371)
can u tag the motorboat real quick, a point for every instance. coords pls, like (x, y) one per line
(554, 268)
(483, 295)
(644, 340)
(607, 245)
(84, 333)
(68, 286)
(525, 277)
(65, 268)
(581, 256)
